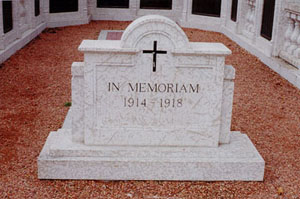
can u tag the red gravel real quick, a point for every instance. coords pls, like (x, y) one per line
(35, 84)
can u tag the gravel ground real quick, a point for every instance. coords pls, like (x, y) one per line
(35, 83)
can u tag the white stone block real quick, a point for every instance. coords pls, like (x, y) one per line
(63, 159)
(152, 106)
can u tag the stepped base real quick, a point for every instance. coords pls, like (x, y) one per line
(63, 159)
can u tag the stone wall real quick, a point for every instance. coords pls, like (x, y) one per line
(281, 53)
(290, 48)
(25, 27)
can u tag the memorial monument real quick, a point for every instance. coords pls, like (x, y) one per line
(152, 106)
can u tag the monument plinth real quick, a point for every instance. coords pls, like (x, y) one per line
(152, 106)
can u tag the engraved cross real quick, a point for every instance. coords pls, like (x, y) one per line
(154, 52)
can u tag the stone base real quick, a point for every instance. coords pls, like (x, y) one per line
(292, 60)
(63, 159)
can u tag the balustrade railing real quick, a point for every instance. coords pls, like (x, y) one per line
(290, 50)
(249, 28)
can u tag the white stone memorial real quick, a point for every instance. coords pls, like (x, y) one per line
(152, 106)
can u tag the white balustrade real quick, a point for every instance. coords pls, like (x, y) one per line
(290, 51)
(294, 35)
(25, 27)
(288, 32)
(249, 28)
(25, 10)
(297, 51)
(23, 13)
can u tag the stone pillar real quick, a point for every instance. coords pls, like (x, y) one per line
(33, 21)
(1, 28)
(277, 27)
(250, 20)
(239, 20)
(16, 18)
(179, 9)
(83, 8)
(297, 42)
(24, 14)
(258, 19)
(185, 10)
(224, 12)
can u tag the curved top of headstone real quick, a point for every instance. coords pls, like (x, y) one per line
(154, 24)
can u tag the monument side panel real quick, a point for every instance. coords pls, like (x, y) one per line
(228, 91)
(89, 102)
(77, 102)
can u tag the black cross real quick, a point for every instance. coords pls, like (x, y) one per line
(155, 52)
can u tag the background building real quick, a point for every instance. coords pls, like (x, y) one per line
(269, 29)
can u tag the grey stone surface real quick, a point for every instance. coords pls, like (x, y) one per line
(62, 159)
